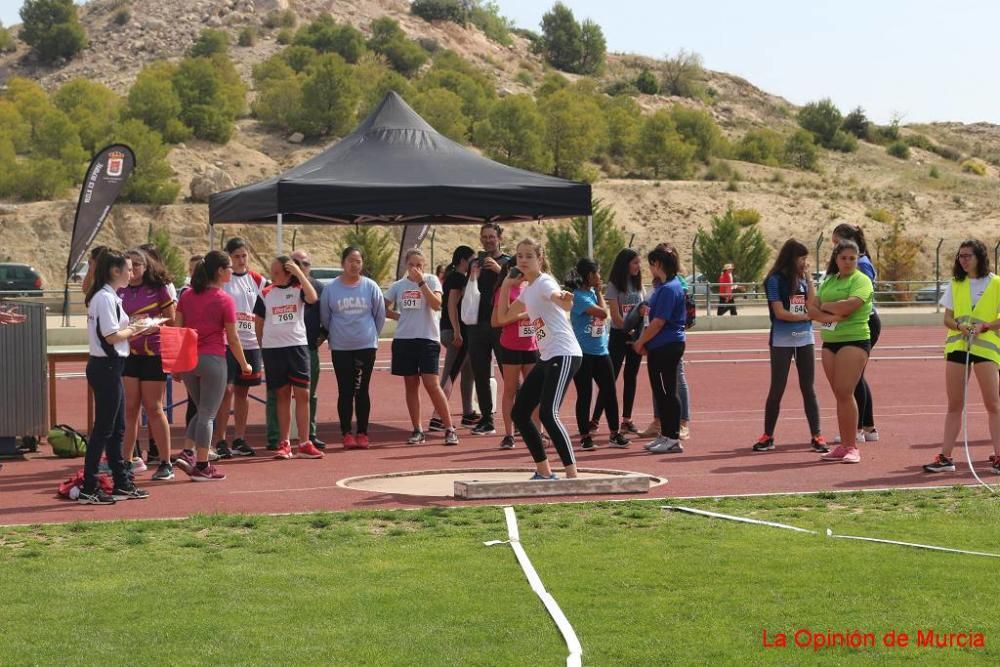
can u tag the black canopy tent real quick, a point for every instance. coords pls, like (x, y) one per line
(395, 169)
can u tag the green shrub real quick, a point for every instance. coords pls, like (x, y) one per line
(726, 242)
(524, 78)
(209, 42)
(52, 29)
(153, 99)
(6, 40)
(152, 182)
(760, 146)
(662, 150)
(733, 185)
(298, 57)
(486, 16)
(801, 151)
(443, 110)
(325, 36)
(330, 95)
(856, 123)
(720, 170)
(280, 19)
(934, 173)
(918, 141)
(39, 179)
(745, 217)
(843, 142)
(823, 119)
(898, 149)
(880, 215)
(571, 46)
(646, 82)
(681, 75)
(973, 166)
(513, 134)
(285, 36)
(439, 10)
(698, 129)
(405, 55)
(247, 37)
(122, 16)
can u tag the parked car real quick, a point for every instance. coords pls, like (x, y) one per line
(21, 279)
(929, 294)
(699, 286)
(325, 274)
(79, 273)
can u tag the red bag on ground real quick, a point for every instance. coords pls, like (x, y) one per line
(76, 482)
(179, 349)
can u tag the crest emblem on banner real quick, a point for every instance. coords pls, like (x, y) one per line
(116, 163)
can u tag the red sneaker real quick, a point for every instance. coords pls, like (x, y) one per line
(307, 450)
(838, 454)
(207, 474)
(349, 441)
(363, 441)
(284, 450)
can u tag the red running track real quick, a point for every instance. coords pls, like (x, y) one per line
(728, 374)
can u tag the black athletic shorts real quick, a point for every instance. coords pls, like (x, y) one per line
(286, 365)
(415, 356)
(235, 377)
(516, 357)
(146, 368)
(959, 357)
(865, 345)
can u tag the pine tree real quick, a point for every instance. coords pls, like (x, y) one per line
(378, 248)
(565, 245)
(726, 242)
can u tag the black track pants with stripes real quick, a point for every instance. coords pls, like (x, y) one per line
(545, 387)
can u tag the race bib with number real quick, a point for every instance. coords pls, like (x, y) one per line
(244, 322)
(540, 331)
(525, 329)
(798, 305)
(596, 328)
(828, 326)
(413, 299)
(284, 314)
(626, 307)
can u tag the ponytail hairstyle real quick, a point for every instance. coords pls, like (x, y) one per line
(848, 232)
(579, 276)
(845, 244)
(620, 276)
(784, 264)
(97, 251)
(671, 249)
(538, 249)
(285, 259)
(462, 252)
(666, 260)
(207, 270)
(107, 260)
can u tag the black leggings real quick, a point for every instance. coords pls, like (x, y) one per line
(622, 353)
(353, 369)
(862, 392)
(104, 375)
(805, 366)
(596, 369)
(545, 388)
(662, 366)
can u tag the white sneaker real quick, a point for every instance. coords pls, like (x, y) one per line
(212, 454)
(871, 436)
(667, 446)
(684, 433)
(138, 465)
(859, 438)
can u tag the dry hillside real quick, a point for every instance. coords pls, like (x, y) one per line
(952, 206)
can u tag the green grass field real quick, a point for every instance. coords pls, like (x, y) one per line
(640, 585)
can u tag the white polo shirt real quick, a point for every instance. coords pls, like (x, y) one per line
(106, 316)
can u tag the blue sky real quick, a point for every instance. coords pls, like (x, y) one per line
(925, 60)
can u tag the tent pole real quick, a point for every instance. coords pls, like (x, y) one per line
(280, 241)
(590, 236)
(211, 236)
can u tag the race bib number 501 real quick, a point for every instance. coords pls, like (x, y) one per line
(412, 299)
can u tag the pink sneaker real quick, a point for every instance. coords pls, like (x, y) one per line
(307, 450)
(838, 453)
(349, 441)
(363, 441)
(284, 450)
(207, 474)
(853, 455)
(185, 461)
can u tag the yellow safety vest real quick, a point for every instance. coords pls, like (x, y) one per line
(987, 344)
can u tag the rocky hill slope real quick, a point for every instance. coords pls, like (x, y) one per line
(951, 205)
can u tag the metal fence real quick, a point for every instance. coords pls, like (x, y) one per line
(24, 397)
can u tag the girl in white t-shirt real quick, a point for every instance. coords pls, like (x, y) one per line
(547, 306)
(280, 321)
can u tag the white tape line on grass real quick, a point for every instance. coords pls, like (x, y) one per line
(569, 635)
(729, 517)
(829, 533)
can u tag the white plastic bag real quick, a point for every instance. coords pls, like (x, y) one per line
(470, 303)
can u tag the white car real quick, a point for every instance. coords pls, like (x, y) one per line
(325, 274)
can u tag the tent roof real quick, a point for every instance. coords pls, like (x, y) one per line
(396, 169)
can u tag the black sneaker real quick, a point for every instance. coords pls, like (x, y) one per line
(818, 444)
(765, 443)
(629, 427)
(98, 497)
(130, 493)
(471, 419)
(152, 454)
(241, 448)
(484, 428)
(507, 442)
(587, 443)
(436, 424)
(417, 437)
(164, 472)
(319, 444)
(593, 425)
(941, 464)
(223, 451)
(619, 441)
